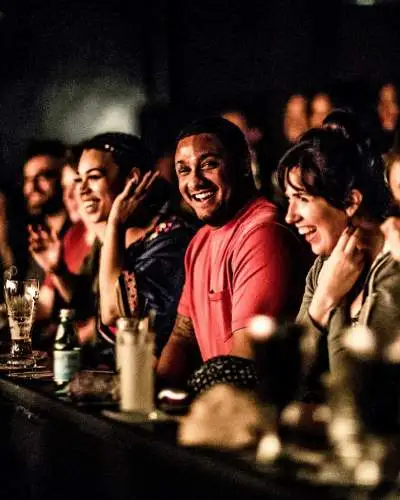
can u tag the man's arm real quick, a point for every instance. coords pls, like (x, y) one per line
(180, 356)
(264, 276)
(242, 344)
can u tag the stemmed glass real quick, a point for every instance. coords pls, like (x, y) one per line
(21, 299)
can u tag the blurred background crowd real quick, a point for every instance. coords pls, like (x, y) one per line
(71, 70)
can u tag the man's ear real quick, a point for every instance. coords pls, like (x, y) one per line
(135, 174)
(354, 201)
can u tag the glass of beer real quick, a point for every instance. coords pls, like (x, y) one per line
(21, 300)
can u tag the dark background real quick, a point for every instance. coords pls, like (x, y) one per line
(72, 68)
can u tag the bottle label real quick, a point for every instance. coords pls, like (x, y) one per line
(66, 363)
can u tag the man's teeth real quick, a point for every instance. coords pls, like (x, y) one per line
(203, 196)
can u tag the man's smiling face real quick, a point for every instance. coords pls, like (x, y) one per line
(207, 180)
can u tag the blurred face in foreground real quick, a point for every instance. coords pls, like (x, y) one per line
(320, 223)
(70, 197)
(321, 106)
(394, 181)
(42, 188)
(206, 178)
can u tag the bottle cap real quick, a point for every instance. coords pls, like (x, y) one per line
(67, 313)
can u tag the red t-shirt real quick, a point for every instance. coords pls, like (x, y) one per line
(237, 271)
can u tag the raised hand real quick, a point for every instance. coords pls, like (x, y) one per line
(46, 248)
(338, 275)
(127, 202)
(391, 230)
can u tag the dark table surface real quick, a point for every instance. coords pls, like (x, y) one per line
(54, 448)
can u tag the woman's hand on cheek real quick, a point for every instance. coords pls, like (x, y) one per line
(338, 275)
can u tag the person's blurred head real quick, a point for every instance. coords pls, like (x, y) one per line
(329, 184)
(68, 176)
(392, 171)
(212, 162)
(295, 121)
(106, 163)
(388, 107)
(252, 133)
(42, 168)
(320, 107)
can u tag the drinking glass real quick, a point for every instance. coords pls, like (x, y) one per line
(21, 300)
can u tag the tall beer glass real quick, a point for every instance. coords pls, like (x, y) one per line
(21, 300)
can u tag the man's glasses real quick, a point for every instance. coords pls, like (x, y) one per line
(44, 176)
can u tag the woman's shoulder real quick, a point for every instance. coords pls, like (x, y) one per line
(169, 235)
(169, 226)
(315, 269)
(385, 267)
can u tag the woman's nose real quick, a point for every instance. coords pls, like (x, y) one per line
(291, 215)
(83, 187)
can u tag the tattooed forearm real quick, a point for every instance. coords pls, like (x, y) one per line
(183, 328)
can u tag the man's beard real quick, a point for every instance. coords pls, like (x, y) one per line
(48, 207)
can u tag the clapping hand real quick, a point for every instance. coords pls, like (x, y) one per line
(46, 248)
(127, 202)
(338, 275)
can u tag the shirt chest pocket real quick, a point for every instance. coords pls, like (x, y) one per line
(220, 304)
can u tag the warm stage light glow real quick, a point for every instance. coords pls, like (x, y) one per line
(78, 109)
(392, 353)
(360, 340)
(261, 327)
(367, 473)
(269, 448)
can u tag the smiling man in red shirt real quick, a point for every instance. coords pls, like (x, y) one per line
(237, 265)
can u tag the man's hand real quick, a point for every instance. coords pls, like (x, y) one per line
(338, 275)
(127, 202)
(391, 230)
(46, 248)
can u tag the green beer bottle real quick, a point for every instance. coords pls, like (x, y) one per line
(66, 349)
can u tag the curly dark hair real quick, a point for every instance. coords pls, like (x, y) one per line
(127, 150)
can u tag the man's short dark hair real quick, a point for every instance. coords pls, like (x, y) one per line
(230, 136)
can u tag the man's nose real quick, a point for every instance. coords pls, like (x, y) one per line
(196, 179)
(30, 186)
